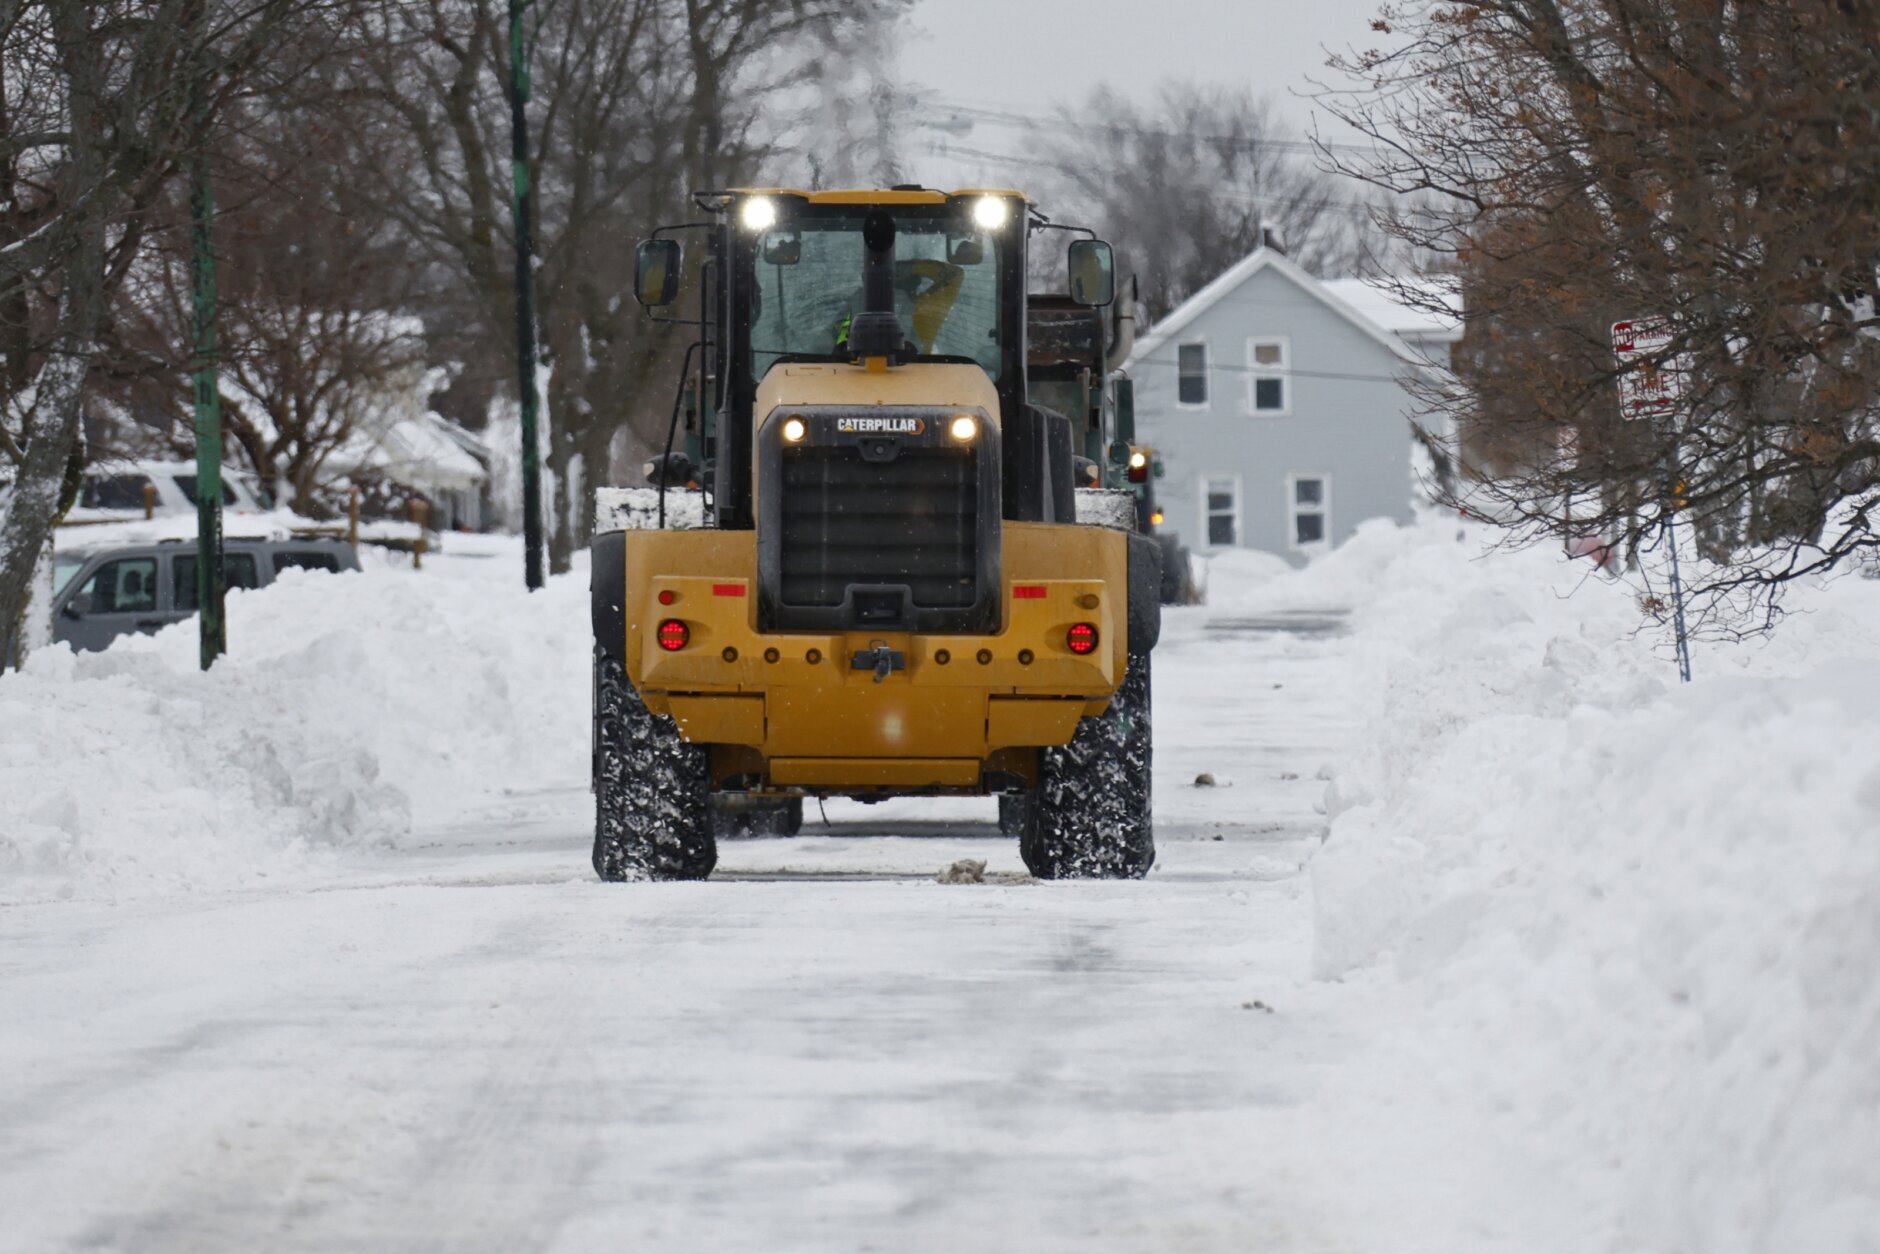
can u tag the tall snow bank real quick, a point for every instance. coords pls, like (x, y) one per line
(348, 707)
(1640, 919)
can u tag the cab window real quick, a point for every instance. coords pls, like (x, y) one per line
(303, 559)
(114, 492)
(238, 571)
(186, 484)
(807, 281)
(126, 586)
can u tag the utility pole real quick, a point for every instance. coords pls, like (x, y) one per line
(1671, 496)
(525, 296)
(210, 580)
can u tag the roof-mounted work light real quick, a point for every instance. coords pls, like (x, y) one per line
(759, 213)
(990, 212)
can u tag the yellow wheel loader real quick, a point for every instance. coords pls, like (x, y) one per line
(866, 575)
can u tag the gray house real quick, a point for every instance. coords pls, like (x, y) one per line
(1276, 404)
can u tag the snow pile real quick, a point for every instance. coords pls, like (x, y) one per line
(638, 509)
(349, 707)
(1637, 921)
(1251, 579)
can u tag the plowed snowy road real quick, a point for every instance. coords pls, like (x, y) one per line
(469, 1044)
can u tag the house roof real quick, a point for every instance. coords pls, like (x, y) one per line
(418, 450)
(1351, 299)
(1414, 322)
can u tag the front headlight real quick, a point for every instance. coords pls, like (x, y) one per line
(965, 427)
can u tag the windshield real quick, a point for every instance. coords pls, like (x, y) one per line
(114, 491)
(63, 568)
(809, 284)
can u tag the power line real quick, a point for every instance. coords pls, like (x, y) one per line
(1033, 121)
(1344, 376)
(1340, 204)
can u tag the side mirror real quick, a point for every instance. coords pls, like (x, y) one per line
(1093, 272)
(783, 250)
(656, 273)
(77, 607)
(967, 252)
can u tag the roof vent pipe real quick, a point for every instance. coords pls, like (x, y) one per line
(1271, 238)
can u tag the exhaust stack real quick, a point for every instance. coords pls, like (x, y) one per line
(1125, 340)
(877, 330)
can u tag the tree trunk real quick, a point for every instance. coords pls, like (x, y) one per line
(597, 470)
(561, 538)
(27, 517)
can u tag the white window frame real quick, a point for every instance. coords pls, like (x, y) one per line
(1207, 512)
(1255, 373)
(1207, 375)
(1293, 510)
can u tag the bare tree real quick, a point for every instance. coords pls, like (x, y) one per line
(99, 109)
(852, 130)
(637, 104)
(1183, 187)
(1714, 166)
(315, 289)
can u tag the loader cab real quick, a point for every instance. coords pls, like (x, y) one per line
(784, 283)
(787, 286)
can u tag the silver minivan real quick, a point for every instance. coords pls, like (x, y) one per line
(109, 592)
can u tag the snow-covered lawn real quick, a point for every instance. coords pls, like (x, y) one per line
(305, 955)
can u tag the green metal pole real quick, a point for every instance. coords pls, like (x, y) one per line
(525, 297)
(210, 581)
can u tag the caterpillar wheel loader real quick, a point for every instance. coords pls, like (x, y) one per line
(865, 575)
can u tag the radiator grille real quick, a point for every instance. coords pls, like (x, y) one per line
(851, 521)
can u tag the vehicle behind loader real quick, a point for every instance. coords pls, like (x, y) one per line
(879, 585)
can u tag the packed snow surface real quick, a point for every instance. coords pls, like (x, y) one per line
(1488, 935)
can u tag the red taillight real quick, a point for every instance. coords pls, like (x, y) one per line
(667, 596)
(674, 635)
(1082, 639)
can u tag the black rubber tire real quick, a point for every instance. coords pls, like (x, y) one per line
(1012, 813)
(652, 789)
(1089, 816)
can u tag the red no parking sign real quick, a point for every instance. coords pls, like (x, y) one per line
(1648, 383)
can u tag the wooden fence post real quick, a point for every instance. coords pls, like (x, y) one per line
(420, 509)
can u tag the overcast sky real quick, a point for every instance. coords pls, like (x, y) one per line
(1024, 57)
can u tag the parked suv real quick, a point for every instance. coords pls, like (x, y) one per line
(105, 593)
(116, 490)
